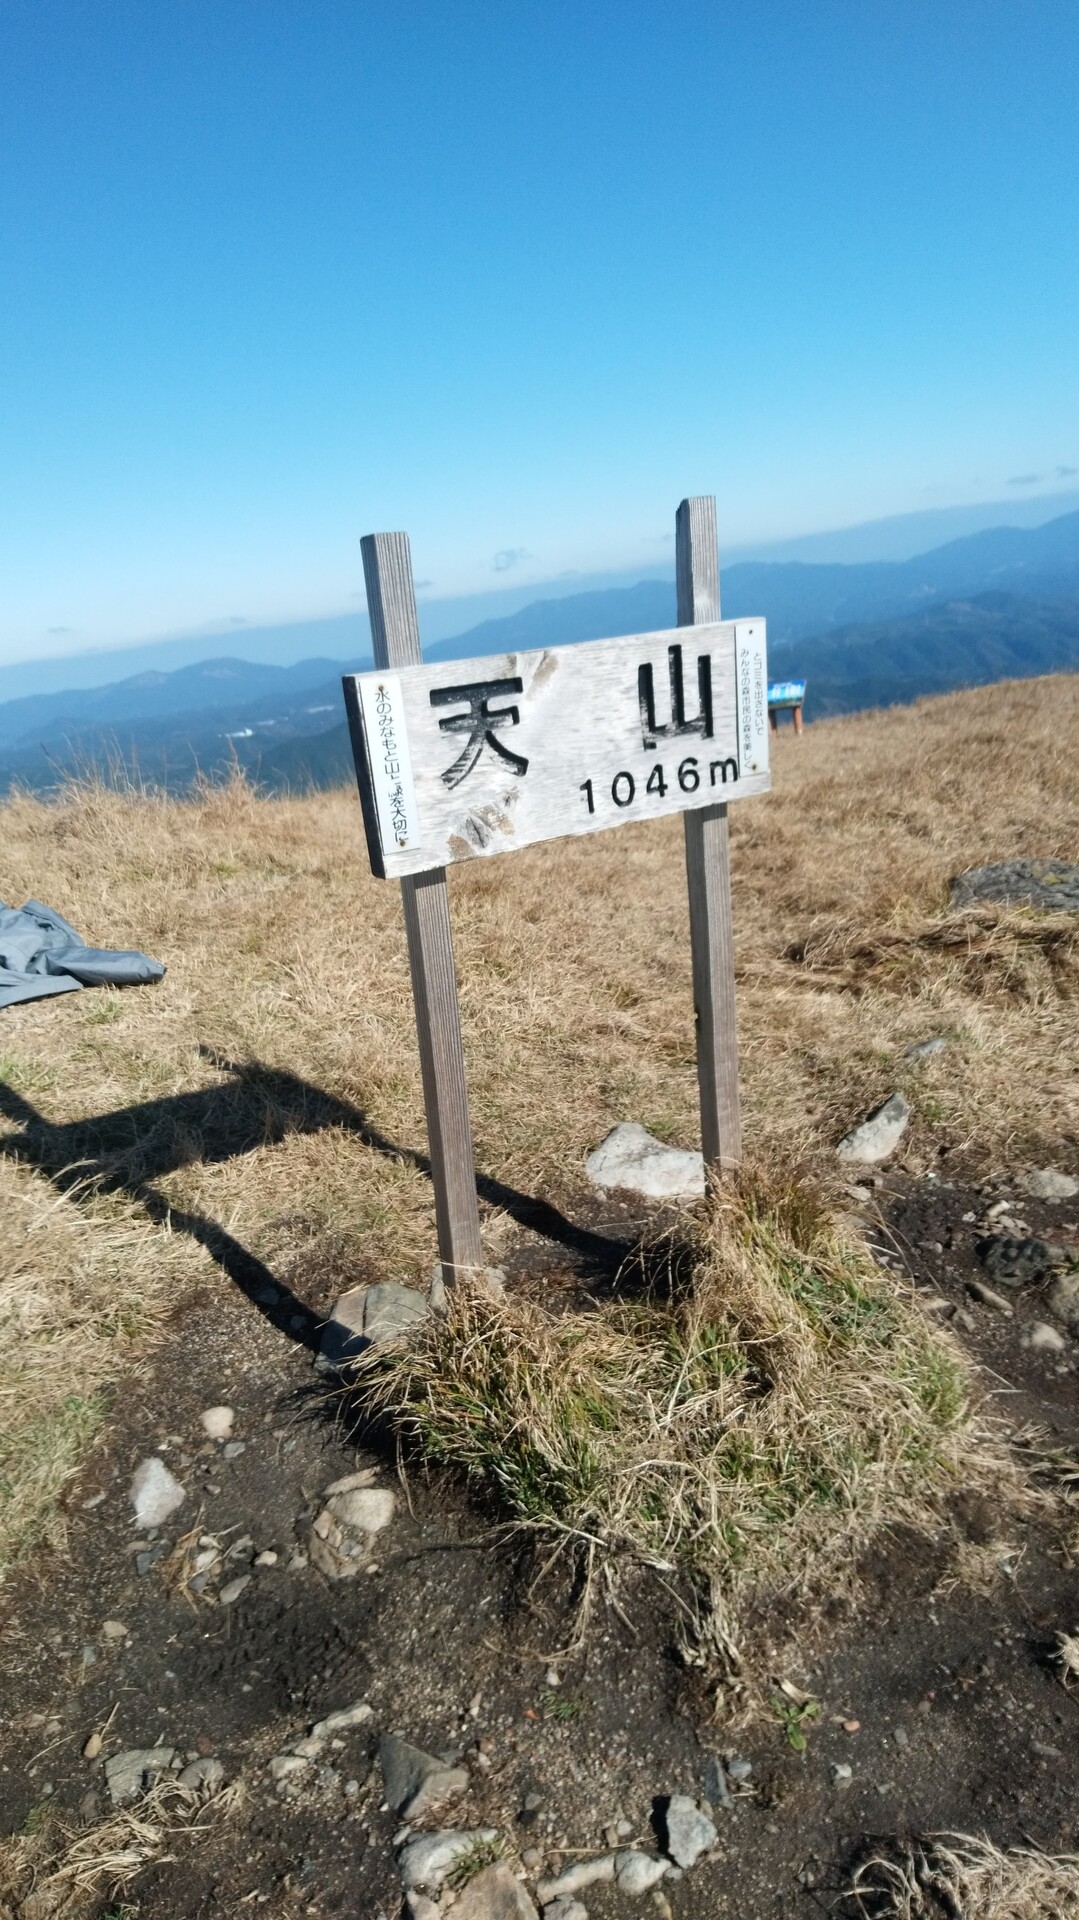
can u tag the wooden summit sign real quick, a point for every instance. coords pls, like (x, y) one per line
(472, 758)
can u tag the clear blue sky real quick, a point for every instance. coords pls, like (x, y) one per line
(514, 276)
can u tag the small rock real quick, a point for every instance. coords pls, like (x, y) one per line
(842, 1774)
(95, 1500)
(342, 1720)
(689, 1833)
(207, 1774)
(285, 1766)
(363, 1509)
(92, 1748)
(418, 1907)
(494, 1894)
(149, 1557)
(636, 1872)
(113, 1630)
(232, 1590)
(1040, 1337)
(922, 1049)
(1046, 1184)
(217, 1422)
(532, 1859)
(716, 1791)
(632, 1158)
(587, 1873)
(565, 1908)
(348, 1482)
(1014, 1263)
(129, 1774)
(417, 1783)
(739, 1769)
(367, 1315)
(878, 1135)
(232, 1449)
(267, 1558)
(1063, 1300)
(425, 1861)
(155, 1493)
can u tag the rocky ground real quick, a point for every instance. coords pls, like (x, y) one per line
(428, 1693)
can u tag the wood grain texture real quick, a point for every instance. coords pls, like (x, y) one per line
(391, 601)
(467, 758)
(708, 876)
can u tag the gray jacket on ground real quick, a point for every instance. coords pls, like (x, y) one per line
(40, 953)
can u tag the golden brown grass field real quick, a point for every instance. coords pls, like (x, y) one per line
(287, 983)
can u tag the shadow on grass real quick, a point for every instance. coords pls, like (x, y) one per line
(254, 1106)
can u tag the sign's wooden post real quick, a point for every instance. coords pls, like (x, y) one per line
(708, 873)
(395, 635)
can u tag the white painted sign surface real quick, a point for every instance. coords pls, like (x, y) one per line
(472, 757)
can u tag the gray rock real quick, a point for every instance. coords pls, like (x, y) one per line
(689, 1832)
(415, 1782)
(363, 1509)
(739, 1769)
(633, 1158)
(1039, 1337)
(341, 1536)
(565, 1908)
(587, 1873)
(418, 1907)
(494, 1894)
(1048, 884)
(1014, 1263)
(636, 1872)
(366, 1316)
(217, 1422)
(207, 1775)
(341, 1721)
(148, 1557)
(714, 1776)
(1063, 1300)
(425, 1861)
(922, 1049)
(1046, 1184)
(129, 1774)
(231, 1592)
(878, 1135)
(232, 1449)
(155, 1493)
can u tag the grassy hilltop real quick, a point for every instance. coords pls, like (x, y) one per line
(260, 1111)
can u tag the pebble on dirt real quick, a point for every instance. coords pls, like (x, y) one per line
(878, 1134)
(494, 1894)
(425, 1861)
(1039, 1336)
(234, 1588)
(636, 1872)
(565, 1909)
(1045, 1183)
(155, 1493)
(217, 1422)
(587, 1873)
(206, 1775)
(416, 1782)
(689, 1832)
(131, 1773)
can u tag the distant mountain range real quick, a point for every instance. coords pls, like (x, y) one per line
(995, 604)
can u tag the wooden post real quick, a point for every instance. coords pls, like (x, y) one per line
(395, 635)
(708, 874)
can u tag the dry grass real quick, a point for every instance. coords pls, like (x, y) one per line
(56, 1871)
(269, 1091)
(954, 1876)
(746, 1417)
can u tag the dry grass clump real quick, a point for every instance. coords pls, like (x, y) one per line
(955, 1876)
(54, 1870)
(749, 1417)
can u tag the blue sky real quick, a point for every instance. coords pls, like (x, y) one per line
(515, 277)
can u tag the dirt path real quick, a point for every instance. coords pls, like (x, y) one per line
(962, 1721)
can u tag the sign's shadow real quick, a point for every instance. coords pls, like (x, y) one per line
(255, 1105)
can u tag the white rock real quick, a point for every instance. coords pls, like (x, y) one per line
(1063, 1299)
(206, 1774)
(635, 1872)
(363, 1509)
(217, 1422)
(232, 1591)
(587, 1873)
(1042, 1338)
(155, 1492)
(1046, 1184)
(878, 1135)
(348, 1482)
(565, 1909)
(284, 1766)
(922, 1049)
(633, 1158)
(267, 1558)
(342, 1720)
(426, 1861)
(689, 1832)
(129, 1774)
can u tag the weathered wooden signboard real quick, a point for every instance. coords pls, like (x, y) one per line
(477, 757)
(472, 758)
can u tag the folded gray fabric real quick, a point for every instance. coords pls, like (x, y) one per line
(41, 953)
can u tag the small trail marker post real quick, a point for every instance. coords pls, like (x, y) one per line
(466, 759)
